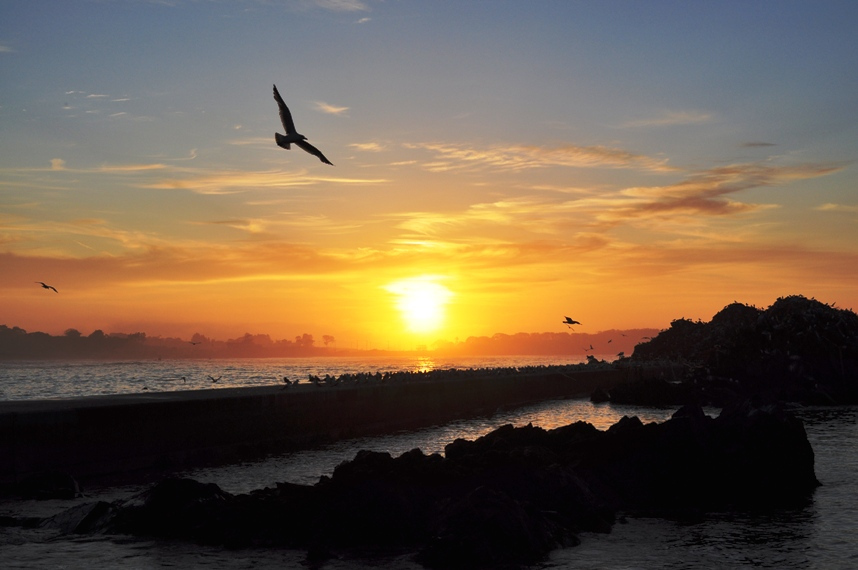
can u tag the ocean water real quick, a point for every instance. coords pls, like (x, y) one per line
(822, 534)
(36, 380)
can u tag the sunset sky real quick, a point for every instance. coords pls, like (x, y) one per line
(499, 165)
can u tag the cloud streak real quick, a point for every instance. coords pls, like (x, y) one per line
(829, 207)
(330, 109)
(671, 118)
(452, 157)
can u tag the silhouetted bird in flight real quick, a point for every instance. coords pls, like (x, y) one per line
(293, 136)
(215, 379)
(46, 286)
(194, 342)
(570, 321)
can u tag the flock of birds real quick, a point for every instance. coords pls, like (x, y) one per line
(382, 378)
(569, 321)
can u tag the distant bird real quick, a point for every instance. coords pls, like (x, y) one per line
(610, 341)
(184, 379)
(194, 342)
(214, 380)
(293, 136)
(46, 286)
(570, 321)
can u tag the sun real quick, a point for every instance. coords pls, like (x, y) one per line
(421, 301)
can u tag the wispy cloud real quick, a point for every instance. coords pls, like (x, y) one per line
(330, 109)
(237, 181)
(837, 208)
(368, 146)
(707, 192)
(756, 144)
(670, 118)
(60, 165)
(342, 5)
(6, 49)
(517, 157)
(698, 206)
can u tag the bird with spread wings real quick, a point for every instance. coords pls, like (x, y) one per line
(46, 286)
(293, 136)
(570, 321)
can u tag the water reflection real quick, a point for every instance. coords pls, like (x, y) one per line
(424, 364)
(820, 535)
(41, 380)
(305, 467)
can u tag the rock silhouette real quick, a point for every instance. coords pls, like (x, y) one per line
(797, 350)
(501, 501)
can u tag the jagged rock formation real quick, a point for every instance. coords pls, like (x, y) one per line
(503, 500)
(798, 350)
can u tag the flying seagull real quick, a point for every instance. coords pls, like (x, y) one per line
(46, 286)
(293, 136)
(570, 321)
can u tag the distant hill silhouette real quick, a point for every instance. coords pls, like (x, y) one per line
(18, 344)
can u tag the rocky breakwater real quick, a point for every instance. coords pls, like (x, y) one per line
(501, 501)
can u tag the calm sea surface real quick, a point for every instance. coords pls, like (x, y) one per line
(823, 534)
(39, 380)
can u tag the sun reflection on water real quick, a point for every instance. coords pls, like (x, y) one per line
(424, 364)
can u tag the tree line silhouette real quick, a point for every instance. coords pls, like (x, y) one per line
(18, 344)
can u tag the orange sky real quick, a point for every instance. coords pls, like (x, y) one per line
(479, 186)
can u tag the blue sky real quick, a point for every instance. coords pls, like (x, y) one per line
(632, 162)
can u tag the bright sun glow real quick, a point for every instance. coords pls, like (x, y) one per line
(421, 301)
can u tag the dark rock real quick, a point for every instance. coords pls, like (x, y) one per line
(798, 350)
(82, 519)
(599, 396)
(653, 392)
(489, 529)
(174, 508)
(502, 500)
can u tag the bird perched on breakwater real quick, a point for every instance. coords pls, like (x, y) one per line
(46, 286)
(293, 136)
